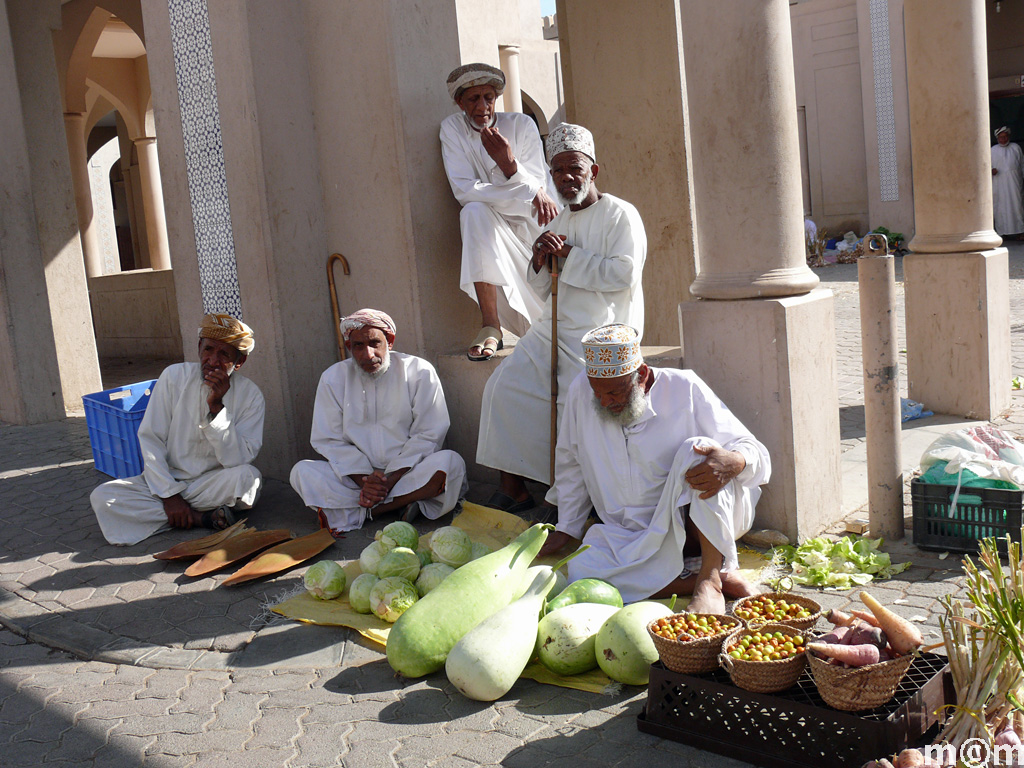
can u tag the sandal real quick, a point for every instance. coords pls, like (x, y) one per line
(505, 503)
(487, 341)
(218, 519)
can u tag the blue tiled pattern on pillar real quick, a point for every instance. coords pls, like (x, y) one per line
(885, 117)
(204, 155)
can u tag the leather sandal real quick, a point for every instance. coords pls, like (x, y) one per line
(488, 341)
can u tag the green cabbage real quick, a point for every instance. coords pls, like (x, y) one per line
(325, 580)
(848, 562)
(370, 557)
(391, 597)
(359, 592)
(451, 546)
(478, 550)
(400, 561)
(425, 558)
(398, 534)
(431, 576)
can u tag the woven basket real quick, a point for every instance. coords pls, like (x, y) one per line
(691, 657)
(858, 688)
(803, 602)
(763, 676)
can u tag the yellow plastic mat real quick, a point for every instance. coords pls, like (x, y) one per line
(494, 529)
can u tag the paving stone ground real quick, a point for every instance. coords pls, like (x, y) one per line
(109, 657)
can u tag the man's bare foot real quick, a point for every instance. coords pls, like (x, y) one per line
(735, 587)
(707, 595)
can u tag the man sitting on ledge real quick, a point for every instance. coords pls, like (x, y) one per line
(379, 420)
(666, 466)
(199, 436)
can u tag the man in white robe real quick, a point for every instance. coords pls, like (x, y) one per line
(495, 165)
(379, 421)
(1007, 180)
(601, 245)
(201, 432)
(665, 465)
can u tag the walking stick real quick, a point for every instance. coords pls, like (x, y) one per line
(554, 361)
(334, 299)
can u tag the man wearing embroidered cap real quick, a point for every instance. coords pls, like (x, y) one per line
(199, 436)
(668, 469)
(495, 165)
(600, 243)
(379, 421)
(1007, 181)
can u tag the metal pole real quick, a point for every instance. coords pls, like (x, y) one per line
(876, 275)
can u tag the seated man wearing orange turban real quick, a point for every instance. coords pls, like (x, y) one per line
(201, 432)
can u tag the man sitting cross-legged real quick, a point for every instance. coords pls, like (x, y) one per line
(201, 432)
(665, 465)
(379, 420)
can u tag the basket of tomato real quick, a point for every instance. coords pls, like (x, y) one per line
(797, 611)
(689, 643)
(766, 658)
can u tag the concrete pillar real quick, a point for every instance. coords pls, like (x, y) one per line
(153, 203)
(625, 67)
(74, 126)
(957, 296)
(508, 55)
(763, 338)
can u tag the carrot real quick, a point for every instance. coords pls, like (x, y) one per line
(865, 616)
(854, 655)
(903, 636)
(838, 618)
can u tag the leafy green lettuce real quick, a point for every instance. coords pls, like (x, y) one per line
(841, 564)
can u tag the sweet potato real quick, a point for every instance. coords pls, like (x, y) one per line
(236, 548)
(835, 637)
(838, 618)
(854, 655)
(865, 633)
(909, 758)
(867, 616)
(903, 636)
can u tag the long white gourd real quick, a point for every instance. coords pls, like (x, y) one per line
(489, 658)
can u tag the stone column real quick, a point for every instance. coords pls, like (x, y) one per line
(508, 55)
(957, 296)
(762, 337)
(74, 127)
(153, 203)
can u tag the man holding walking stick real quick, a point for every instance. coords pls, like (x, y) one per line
(599, 244)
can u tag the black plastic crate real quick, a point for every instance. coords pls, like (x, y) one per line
(794, 728)
(979, 513)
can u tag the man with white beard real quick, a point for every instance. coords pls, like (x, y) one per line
(201, 432)
(600, 243)
(668, 469)
(379, 420)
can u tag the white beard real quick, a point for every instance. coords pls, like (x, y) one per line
(630, 414)
(576, 199)
(384, 366)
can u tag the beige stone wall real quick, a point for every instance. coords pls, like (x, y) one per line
(135, 313)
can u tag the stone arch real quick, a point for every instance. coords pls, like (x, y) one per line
(128, 112)
(529, 104)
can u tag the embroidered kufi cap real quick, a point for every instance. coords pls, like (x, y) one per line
(611, 351)
(566, 137)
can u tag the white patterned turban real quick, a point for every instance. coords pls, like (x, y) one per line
(470, 75)
(1004, 129)
(221, 327)
(566, 137)
(612, 351)
(372, 318)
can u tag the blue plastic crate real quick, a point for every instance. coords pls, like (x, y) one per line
(113, 417)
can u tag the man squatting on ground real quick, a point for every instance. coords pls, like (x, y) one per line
(379, 420)
(495, 165)
(601, 245)
(666, 466)
(199, 436)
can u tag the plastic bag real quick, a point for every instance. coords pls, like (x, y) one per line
(986, 451)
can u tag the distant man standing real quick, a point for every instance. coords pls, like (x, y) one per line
(600, 243)
(1007, 180)
(379, 421)
(199, 436)
(668, 469)
(495, 165)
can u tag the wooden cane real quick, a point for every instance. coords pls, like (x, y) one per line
(334, 299)
(554, 361)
